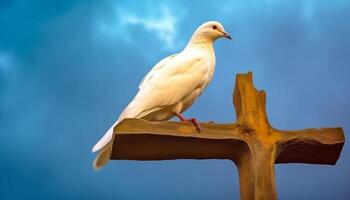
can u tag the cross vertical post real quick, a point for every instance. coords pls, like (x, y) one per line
(250, 142)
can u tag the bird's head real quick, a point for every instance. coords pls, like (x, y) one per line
(211, 30)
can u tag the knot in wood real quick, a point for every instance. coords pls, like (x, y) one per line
(246, 130)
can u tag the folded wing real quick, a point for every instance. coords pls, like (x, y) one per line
(170, 81)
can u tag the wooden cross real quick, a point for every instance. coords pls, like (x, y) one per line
(250, 142)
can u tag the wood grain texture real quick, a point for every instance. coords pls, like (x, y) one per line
(250, 142)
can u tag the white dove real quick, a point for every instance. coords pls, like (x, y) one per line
(171, 86)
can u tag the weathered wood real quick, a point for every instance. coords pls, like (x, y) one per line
(251, 142)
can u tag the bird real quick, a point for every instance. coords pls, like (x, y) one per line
(172, 85)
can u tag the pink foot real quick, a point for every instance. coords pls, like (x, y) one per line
(192, 120)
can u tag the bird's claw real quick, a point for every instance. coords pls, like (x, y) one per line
(192, 120)
(196, 124)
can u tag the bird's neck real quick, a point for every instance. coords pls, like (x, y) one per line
(204, 47)
(200, 43)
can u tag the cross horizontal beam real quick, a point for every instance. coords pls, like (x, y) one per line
(137, 139)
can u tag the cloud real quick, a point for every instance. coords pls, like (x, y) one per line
(163, 26)
(161, 22)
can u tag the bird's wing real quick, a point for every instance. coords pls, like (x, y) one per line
(168, 85)
(155, 69)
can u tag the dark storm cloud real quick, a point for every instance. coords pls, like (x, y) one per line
(68, 68)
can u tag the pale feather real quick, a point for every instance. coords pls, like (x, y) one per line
(155, 69)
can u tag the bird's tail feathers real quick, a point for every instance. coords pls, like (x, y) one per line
(103, 156)
(105, 143)
(105, 139)
(130, 112)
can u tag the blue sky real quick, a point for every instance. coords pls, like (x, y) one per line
(68, 68)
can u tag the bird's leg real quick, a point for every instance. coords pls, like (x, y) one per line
(192, 120)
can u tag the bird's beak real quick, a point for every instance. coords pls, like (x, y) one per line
(226, 35)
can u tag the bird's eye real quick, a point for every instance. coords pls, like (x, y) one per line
(215, 27)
